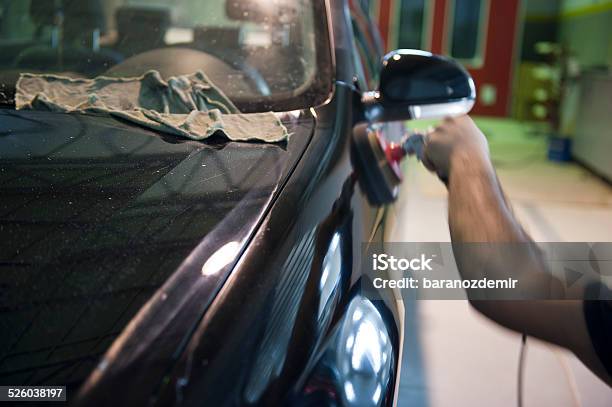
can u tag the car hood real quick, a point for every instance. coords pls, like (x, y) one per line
(97, 215)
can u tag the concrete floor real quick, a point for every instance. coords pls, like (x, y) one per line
(456, 357)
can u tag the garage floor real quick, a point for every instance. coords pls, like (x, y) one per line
(454, 356)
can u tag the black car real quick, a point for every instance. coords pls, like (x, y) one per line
(140, 268)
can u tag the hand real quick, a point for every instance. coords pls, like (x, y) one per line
(454, 140)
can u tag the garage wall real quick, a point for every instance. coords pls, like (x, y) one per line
(586, 27)
(539, 24)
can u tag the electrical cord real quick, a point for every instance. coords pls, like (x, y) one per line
(521, 370)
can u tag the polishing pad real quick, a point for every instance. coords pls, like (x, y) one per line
(377, 165)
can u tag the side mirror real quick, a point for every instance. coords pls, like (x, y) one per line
(417, 84)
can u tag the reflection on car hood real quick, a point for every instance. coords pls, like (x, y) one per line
(96, 215)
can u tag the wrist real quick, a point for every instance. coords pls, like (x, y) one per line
(466, 162)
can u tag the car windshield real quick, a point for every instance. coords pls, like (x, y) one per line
(263, 54)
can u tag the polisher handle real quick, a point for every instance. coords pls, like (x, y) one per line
(413, 144)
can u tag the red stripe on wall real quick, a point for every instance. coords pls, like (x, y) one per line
(497, 69)
(384, 21)
(437, 29)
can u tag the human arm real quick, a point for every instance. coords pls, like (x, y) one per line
(479, 213)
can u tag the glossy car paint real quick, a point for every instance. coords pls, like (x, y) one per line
(285, 347)
(264, 305)
(96, 216)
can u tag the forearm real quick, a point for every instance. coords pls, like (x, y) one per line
(478, 211)
(489, 242)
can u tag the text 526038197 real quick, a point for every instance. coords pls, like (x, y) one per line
(32, 393)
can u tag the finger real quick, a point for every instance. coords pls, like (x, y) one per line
(438, 132)
(427, 163)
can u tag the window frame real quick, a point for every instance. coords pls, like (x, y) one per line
(481, 41)
(426, 25)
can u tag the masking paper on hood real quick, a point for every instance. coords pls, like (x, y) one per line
(187, 105)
